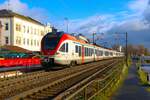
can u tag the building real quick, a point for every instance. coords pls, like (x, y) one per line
(22, 31)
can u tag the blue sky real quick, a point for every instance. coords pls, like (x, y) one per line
(75, 9)
(88, 16)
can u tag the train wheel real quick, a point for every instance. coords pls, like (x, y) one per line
(72, 63)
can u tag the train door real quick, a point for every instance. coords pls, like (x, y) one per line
(73, 49)
(67, 56)
(64, 49)
(82, 54)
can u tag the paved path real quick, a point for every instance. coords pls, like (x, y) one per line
(131, 89)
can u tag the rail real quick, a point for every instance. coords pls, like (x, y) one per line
(72, 90)
(100, 86)
(31, 86)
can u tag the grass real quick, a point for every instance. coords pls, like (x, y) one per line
(143, 77)
(122, 78)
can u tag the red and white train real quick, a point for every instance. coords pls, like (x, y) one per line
(60, 48)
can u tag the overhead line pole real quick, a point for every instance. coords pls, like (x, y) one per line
(94, 37)
(126, 48)
(67, 22)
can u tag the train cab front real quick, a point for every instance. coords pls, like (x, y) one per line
(49, 45)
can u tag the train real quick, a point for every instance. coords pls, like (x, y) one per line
(60, 48)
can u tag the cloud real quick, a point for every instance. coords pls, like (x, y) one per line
(138, 5)
(23, 8)
(135, 21)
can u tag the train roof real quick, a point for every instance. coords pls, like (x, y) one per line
(74, 38)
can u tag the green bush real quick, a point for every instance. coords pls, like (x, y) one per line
(143, 77)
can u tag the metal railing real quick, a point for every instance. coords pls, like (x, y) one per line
(100, 87)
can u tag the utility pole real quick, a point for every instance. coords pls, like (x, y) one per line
(126, 48)
(94, 37)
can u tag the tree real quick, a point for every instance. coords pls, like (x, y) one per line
(137, 50)
(141, 49)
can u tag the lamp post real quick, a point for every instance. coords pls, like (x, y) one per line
(67, 24)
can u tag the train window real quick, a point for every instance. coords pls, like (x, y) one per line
(111, 53)
(66, 47)
(88, 51)
(79, 51)
(106, 53)
(96, 52)
(101, 53)
(62, 49)
(50, 41)
(76, 48)
(85, 51)
(92, 51)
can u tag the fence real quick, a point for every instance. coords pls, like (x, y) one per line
(100, 88)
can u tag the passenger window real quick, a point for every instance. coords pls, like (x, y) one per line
(76, 48)
(62, 49)
(79, 51)
(66, 47)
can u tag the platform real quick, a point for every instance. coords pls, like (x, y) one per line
(131, 88)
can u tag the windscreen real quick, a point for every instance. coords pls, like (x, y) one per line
(51, 40)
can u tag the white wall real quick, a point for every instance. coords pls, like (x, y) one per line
(34, 35)
(5, 32)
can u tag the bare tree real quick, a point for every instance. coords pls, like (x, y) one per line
(137, 50)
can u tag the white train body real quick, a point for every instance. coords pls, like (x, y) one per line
(64, 49)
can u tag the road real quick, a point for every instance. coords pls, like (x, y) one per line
(131, 88)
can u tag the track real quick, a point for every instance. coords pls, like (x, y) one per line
(47, 85)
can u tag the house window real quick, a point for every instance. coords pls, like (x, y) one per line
(6, 40)
(24, 41)
(37, 43)
(27, 41)
(34, 42)
(42, 33)
(18, 27)
(31, 42)
(34, 31)
(28, 29)
(24, 28)
(31, 30)
(6, 26)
